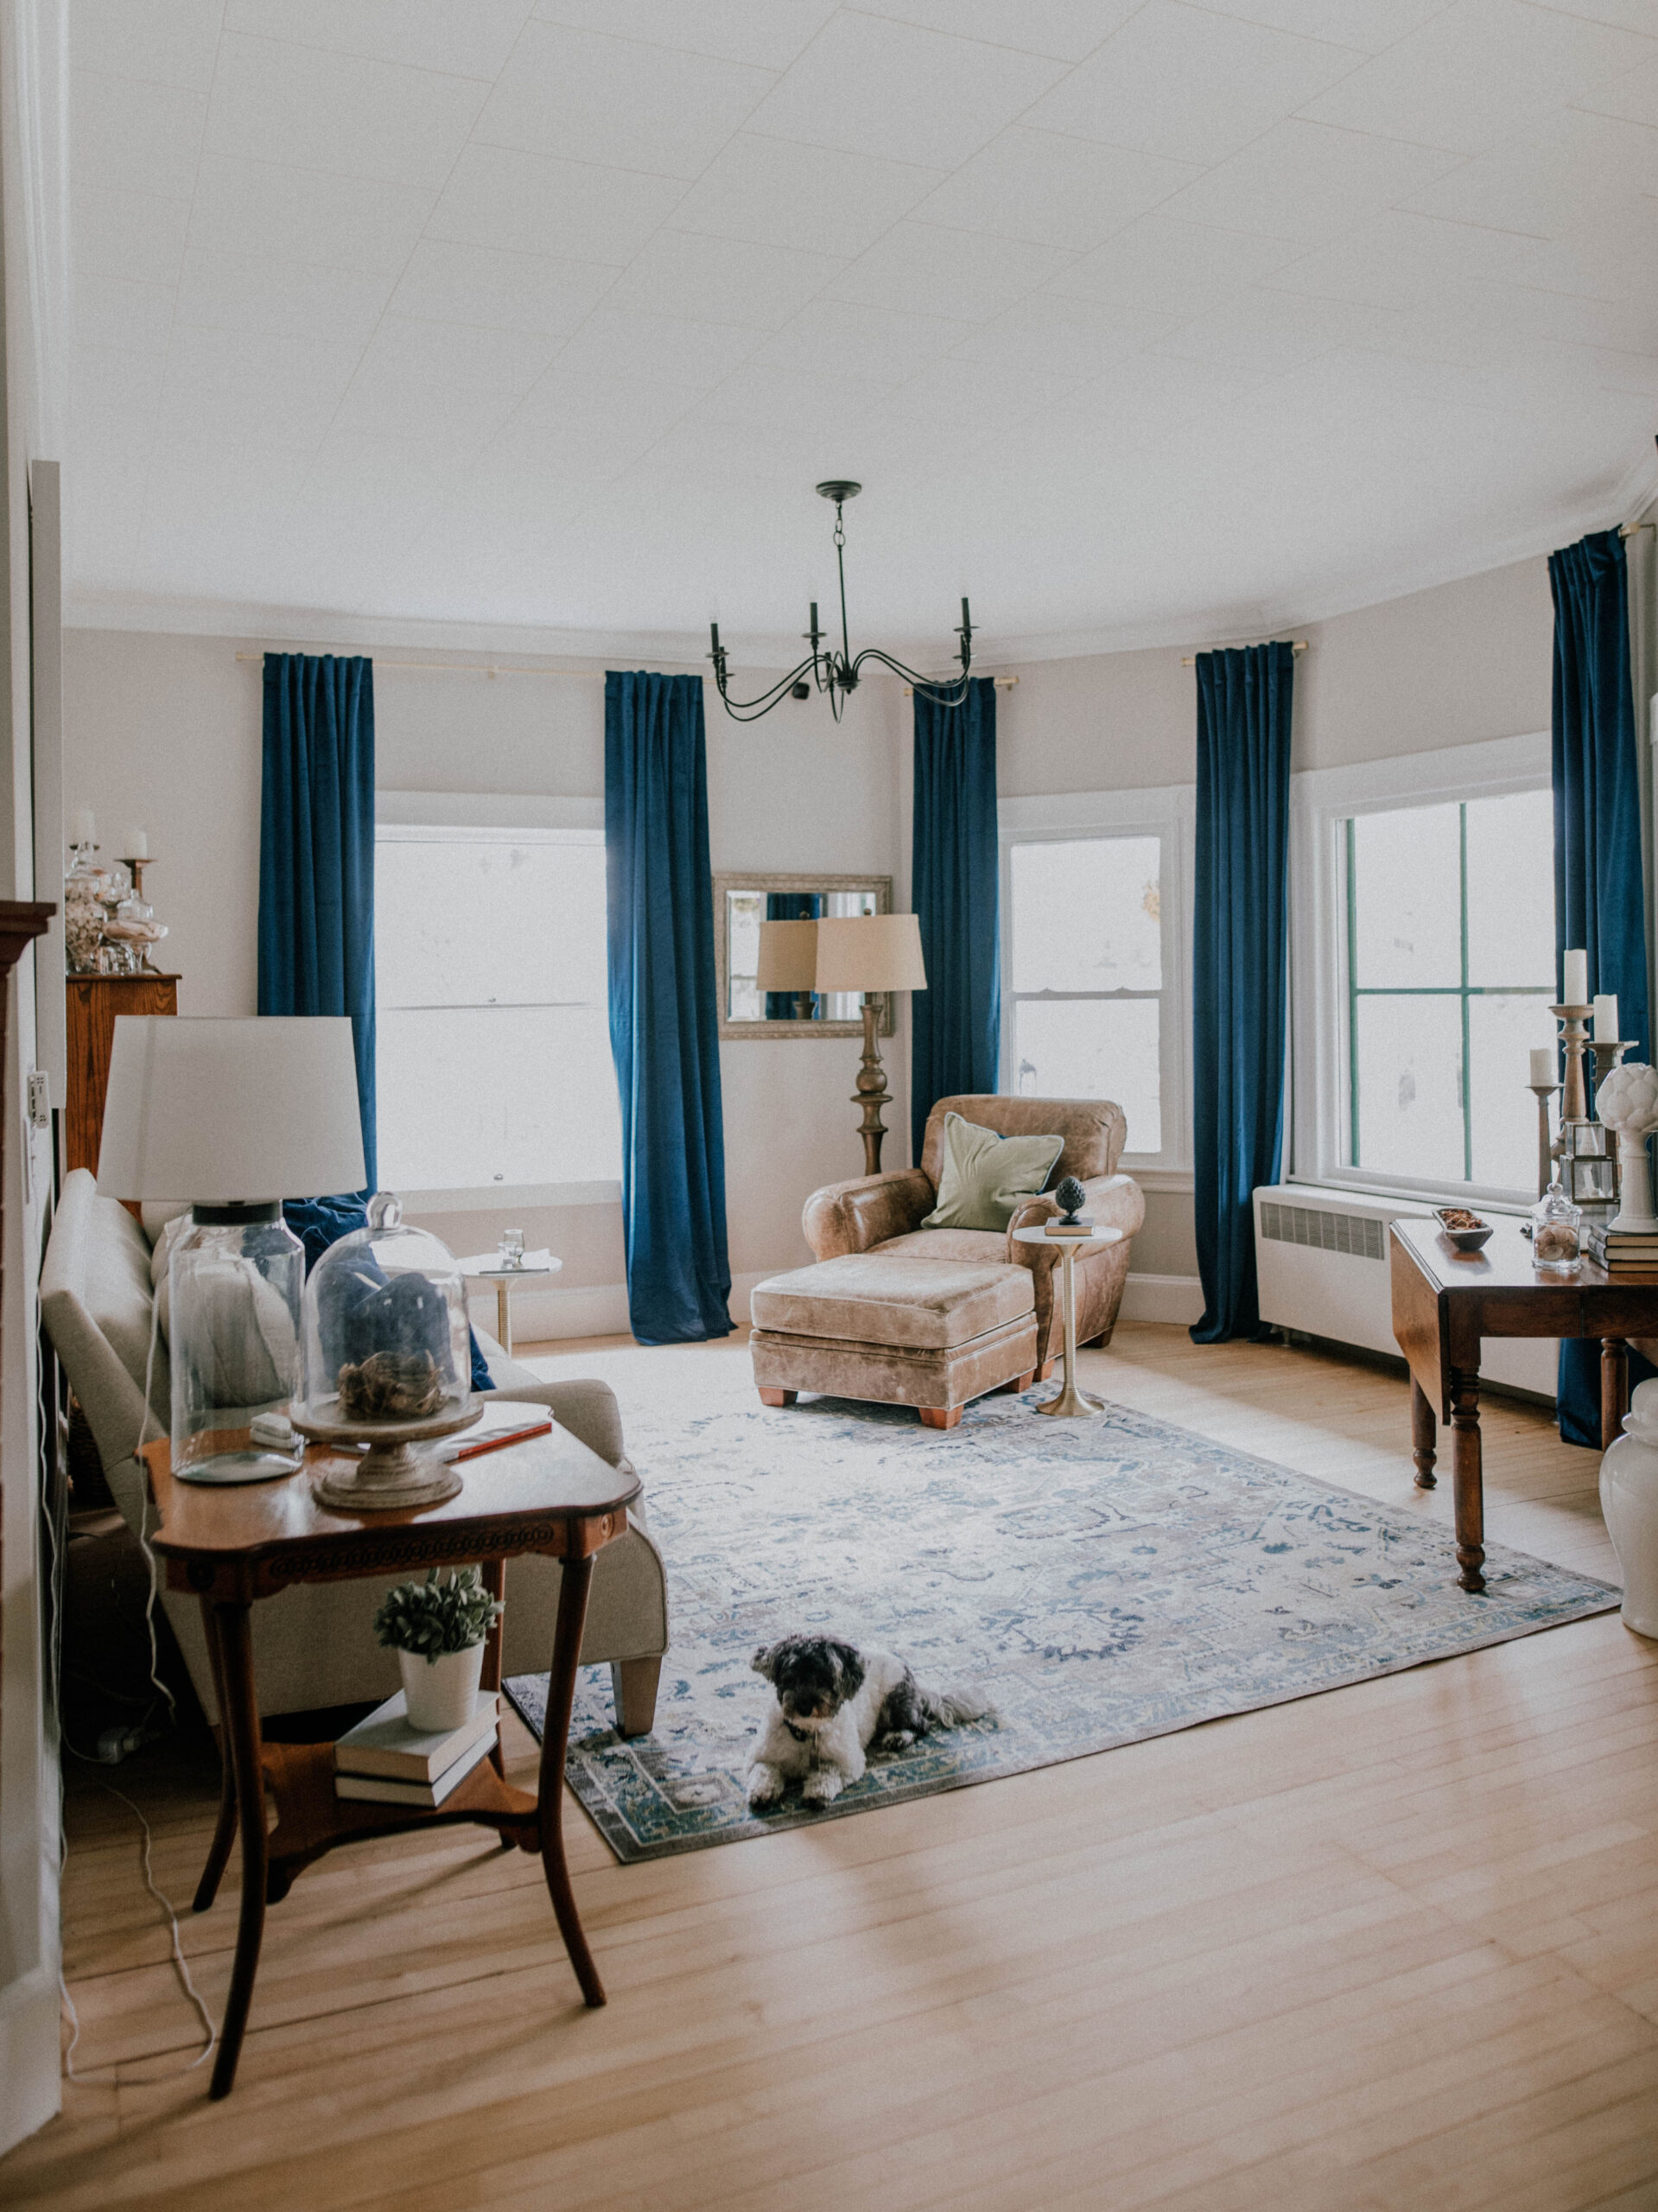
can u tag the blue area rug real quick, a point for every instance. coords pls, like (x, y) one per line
(1103, 1580)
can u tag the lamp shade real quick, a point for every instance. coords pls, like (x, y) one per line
(238, 1112)
(787, 958)
(870, 953)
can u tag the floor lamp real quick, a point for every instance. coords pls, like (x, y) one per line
(872, 954)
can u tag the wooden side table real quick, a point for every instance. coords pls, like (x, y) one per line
(232, 1547)
(1445, 1302)
(485, 1267)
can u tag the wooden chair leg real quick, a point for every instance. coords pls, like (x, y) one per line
(939, 1416)
(769, 1397)
(1046, 1371)
(1019, 1383)
(633, 1686)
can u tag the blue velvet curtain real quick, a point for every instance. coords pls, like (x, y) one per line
(956, 1023)
(1240, 967)
(664, 1005)
(316, 852)
(1599, 889)
(789, 906)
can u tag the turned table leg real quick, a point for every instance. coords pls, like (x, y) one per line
(1468, 1478)
(1424, 1435)
(225, 1831)
(1614, 1390)
(554, 1743)
(240, 1718)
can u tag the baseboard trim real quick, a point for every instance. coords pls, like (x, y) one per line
(584, 1310)
(1174, 1298)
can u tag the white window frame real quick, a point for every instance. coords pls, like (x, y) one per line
(1320, 800)
(1168, 812)
(503, 815)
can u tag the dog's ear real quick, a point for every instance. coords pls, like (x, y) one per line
(849, 1665)
(765, 1662)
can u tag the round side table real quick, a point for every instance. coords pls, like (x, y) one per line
(1071, 1400)
(486, 1267)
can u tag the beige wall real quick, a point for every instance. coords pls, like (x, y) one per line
(164, 732)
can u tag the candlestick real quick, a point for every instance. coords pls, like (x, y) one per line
(1574, 980)
(1573, 1017)
(1544, 1092)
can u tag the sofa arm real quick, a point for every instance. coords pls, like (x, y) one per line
(852, 1216)
(586, 1407)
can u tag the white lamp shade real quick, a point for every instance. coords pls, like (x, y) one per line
(226, 1112)
(787, 958)
(870, 953)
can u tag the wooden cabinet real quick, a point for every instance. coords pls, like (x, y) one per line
(95, 1003)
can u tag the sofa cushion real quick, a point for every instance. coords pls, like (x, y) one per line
(984, 1175)
(892, 1298)
(973, 1248)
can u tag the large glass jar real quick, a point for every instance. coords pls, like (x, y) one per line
(234, 1278)
(384, 1330)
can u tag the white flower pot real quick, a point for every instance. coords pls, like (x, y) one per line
(1628, 1499)
(440, 1694)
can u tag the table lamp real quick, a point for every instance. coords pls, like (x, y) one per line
(788, 962)
(871, 953)
(232, 1115)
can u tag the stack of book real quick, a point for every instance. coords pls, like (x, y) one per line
(1082, 1226)
(386, 1761)
(1623, 1251)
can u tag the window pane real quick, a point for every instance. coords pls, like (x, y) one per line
(488, 922)
(1500, 1032)
(468, 1096)
(1087, 917)
(1407, 897)
(1408, 1068)
(1511, 893)
(1094, 1048)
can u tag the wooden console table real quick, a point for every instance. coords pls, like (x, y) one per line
(230, 1547)
(93, 1002)
(1445, 1302)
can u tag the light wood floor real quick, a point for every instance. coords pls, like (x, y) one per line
(1394, 1946)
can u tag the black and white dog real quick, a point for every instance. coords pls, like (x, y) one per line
(833, 1703)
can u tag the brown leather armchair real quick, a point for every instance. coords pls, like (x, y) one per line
(884, 1213)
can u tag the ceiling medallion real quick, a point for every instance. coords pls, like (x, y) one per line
(837, 673)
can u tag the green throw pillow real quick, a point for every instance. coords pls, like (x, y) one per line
(984, 1177)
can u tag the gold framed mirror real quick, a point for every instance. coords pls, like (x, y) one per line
(741, 903)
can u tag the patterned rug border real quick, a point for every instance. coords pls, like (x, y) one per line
(527, 1693)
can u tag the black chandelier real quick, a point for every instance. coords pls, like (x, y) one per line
(837, 673)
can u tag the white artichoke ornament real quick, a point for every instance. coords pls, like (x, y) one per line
(1629, 1098)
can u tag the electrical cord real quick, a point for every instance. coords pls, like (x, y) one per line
(119, 1742)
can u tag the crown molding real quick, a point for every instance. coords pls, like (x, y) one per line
(1241, 623)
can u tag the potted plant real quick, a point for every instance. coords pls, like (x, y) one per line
(437, 1630)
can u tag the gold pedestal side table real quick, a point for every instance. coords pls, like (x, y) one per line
(1071, 1400)
(486, 1267)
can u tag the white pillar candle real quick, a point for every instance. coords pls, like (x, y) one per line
(1605, 1018)
(137, 846)
(85, 831)
(1542, 1064)
(1576, 979)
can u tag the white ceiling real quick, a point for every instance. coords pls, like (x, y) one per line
(1137, 319)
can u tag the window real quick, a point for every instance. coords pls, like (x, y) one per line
(1448, 950)
(1092, 958)
(493, 1060)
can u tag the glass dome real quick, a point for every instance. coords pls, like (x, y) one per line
(384, 1328)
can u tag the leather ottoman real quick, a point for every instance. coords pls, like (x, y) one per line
(896, 1328)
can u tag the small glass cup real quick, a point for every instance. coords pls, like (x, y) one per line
(1556, 1241)
(511, 1247)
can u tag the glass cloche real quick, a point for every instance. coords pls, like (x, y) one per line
(384, 1335)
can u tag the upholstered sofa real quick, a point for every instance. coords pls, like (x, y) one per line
(881, 1215)
(314, 1646)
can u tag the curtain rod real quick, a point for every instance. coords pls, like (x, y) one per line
(1001, 683)
(1630, 529)
(586, 675)
(1296, 646)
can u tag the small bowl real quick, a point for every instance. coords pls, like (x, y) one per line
(1466, 1240)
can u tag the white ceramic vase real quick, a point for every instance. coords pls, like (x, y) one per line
(440, 1694)
(1628, 1499)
